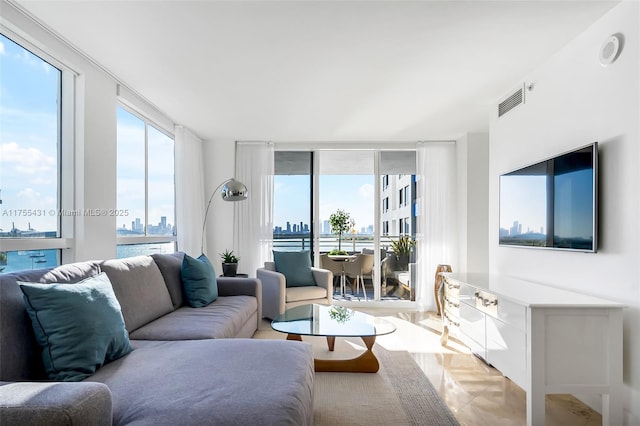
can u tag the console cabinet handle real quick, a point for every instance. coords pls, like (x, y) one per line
(453, 323)
(485, 301)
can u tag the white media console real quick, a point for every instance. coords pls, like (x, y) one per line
(547, 340)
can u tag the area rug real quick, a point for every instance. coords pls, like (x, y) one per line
(398, 394)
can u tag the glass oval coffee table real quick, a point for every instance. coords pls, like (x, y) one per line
(331, 322)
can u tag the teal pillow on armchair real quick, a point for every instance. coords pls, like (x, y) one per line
(295, 266)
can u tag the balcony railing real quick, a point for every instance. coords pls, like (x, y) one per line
(350, 243)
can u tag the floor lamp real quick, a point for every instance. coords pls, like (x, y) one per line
(232, 190)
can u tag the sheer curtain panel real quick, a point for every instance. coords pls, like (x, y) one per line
(189, 190)
(253, 234)
(436, 199)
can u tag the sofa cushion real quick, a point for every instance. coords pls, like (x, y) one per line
(221, 319)
(212, 382)
(296, 294)
(295, 266)
(140, 289)
(169, 265)
(79, 326)
(20, 357)
(199, 281)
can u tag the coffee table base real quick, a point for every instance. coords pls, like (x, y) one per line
(365, 363)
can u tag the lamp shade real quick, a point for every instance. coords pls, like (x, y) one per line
(234, 190)
(230, 190)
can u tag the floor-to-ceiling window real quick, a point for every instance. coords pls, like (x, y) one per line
(145, 187)
(36, 119)
(397, 171)
(376, 189)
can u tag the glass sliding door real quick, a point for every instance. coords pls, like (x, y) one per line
(293, 189)
(347, 187)
(376, 190)
(397, 171)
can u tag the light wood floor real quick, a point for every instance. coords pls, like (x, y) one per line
(476, 393)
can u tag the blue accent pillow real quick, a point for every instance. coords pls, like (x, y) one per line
(79, 326)
(199, 281)
(296, 267)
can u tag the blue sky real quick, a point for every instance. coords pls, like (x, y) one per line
(29, 98)
(352, 193)
(28, 137)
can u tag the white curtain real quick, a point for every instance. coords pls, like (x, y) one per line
(436, 199)
(253, 236)
(189, 190)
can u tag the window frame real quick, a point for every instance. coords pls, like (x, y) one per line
(148, 238)
(64, 242)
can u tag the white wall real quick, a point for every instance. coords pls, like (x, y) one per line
(576, 101)
(219, 165)
(472, 157)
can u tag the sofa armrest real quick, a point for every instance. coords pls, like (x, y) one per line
(235, 286)
(55, 403)
(273, 292)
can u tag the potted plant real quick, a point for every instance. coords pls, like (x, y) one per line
(229, 263)
(340, 222)
(402, 249)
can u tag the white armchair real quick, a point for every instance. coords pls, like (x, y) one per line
(277, 297)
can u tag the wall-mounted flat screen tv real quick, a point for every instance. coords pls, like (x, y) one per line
(552, 204)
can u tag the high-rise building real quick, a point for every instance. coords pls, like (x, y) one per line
(397, 198)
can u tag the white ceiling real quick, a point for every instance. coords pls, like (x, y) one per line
(321, 70)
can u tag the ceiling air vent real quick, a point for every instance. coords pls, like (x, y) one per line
(511, 102)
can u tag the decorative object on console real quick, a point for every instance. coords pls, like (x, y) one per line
(439, 282)
(232, 190)
(229, 263)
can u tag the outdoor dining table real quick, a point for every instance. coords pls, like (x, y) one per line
(343, 278)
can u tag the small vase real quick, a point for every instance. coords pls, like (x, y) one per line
(229, 269)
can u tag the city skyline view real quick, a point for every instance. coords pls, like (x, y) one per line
(351, 193)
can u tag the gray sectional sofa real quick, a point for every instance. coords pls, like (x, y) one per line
(188, 365)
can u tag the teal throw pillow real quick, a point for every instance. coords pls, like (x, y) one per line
(296, 267)
(199, 281)
(79, 326)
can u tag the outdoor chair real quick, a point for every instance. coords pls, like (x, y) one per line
(333, 266)
(357, 269)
